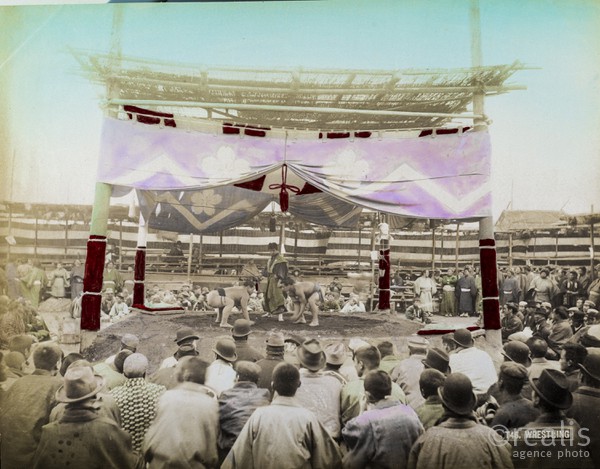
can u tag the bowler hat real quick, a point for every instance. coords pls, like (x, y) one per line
(225, 348)
(457, 394)
(591, 364)
(335, 354)
(553, 387)
(311, 355)
(437, 359)
(275, 339)
(80, 383)
(517, 352)
(241, 328)
(185, 333)
(463, 337)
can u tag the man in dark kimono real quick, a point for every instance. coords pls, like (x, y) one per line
(466, 292)
(276, 271)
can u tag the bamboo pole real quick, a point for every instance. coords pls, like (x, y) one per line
(9, 231)
(510, 248)
(457, 247)
(120, 244)
(189, 266)
(267, 107)
(35, 239)
(592, 251)
(66, 234)
(432, 246)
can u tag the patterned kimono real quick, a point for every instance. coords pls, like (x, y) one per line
(448, 305)
(31, 285)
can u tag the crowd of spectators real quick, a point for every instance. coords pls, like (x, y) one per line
(355, 403)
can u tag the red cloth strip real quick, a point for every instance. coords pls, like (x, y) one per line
(139, 274)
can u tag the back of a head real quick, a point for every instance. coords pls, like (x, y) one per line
(575, 352)
(386, 348)
(430, 380)
(192, 369)
(21, 343)
(46, 356)
(538, 347)
(135, 366)
(120, 359)
(68, 360)
(286, 379)
(369, 356)
(14, 360)
(379, 384)
(247, 371)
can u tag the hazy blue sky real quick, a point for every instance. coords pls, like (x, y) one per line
(546, 140)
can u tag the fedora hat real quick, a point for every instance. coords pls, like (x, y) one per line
(185, 333)
(553, 387)
(591, 364)
(275, 339)
(437, 359)
(241, 328)
(457, 394)
(80, 383)
(592, 337)
(335, 354)
(225, 348)
(311, 355)
(518, 352)
(463, 337)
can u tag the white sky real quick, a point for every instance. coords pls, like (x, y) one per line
(546, 140)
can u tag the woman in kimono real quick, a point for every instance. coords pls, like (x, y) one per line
(31, 284)
(58, 281)
(77, 272)
(425, 288)
(448, 305)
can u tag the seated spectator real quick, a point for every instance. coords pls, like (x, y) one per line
(245, 352)
(459, 438)
(571, 357)
(510, 322)
(220, 374)
(416, 312)
(331, 302)
(237, 404)
(539, 349)
(184, 336)
(408, 371)
(389, 360)
(437, 359)
(119, 309)
(586, 403)
(275, 344)
(515, 410)
(335, 286)
(185, 430)
(353, 305)
(335, 357)
(431, 410)
(561, 330)
(383, 435)
(366, 358)
(476, 364)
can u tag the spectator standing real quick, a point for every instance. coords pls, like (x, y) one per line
(26, 407)
(137, 399)
(58, 281)
(448, 303)
(275, 355)
(80, 438)
(319, 391)
(185, 429)
(459, 439)
(237, 404)
(383, 435)
(425, 288)
(283, 434)
(245, 352)
(466, 293)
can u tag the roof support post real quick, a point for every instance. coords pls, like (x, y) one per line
(487, 243)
